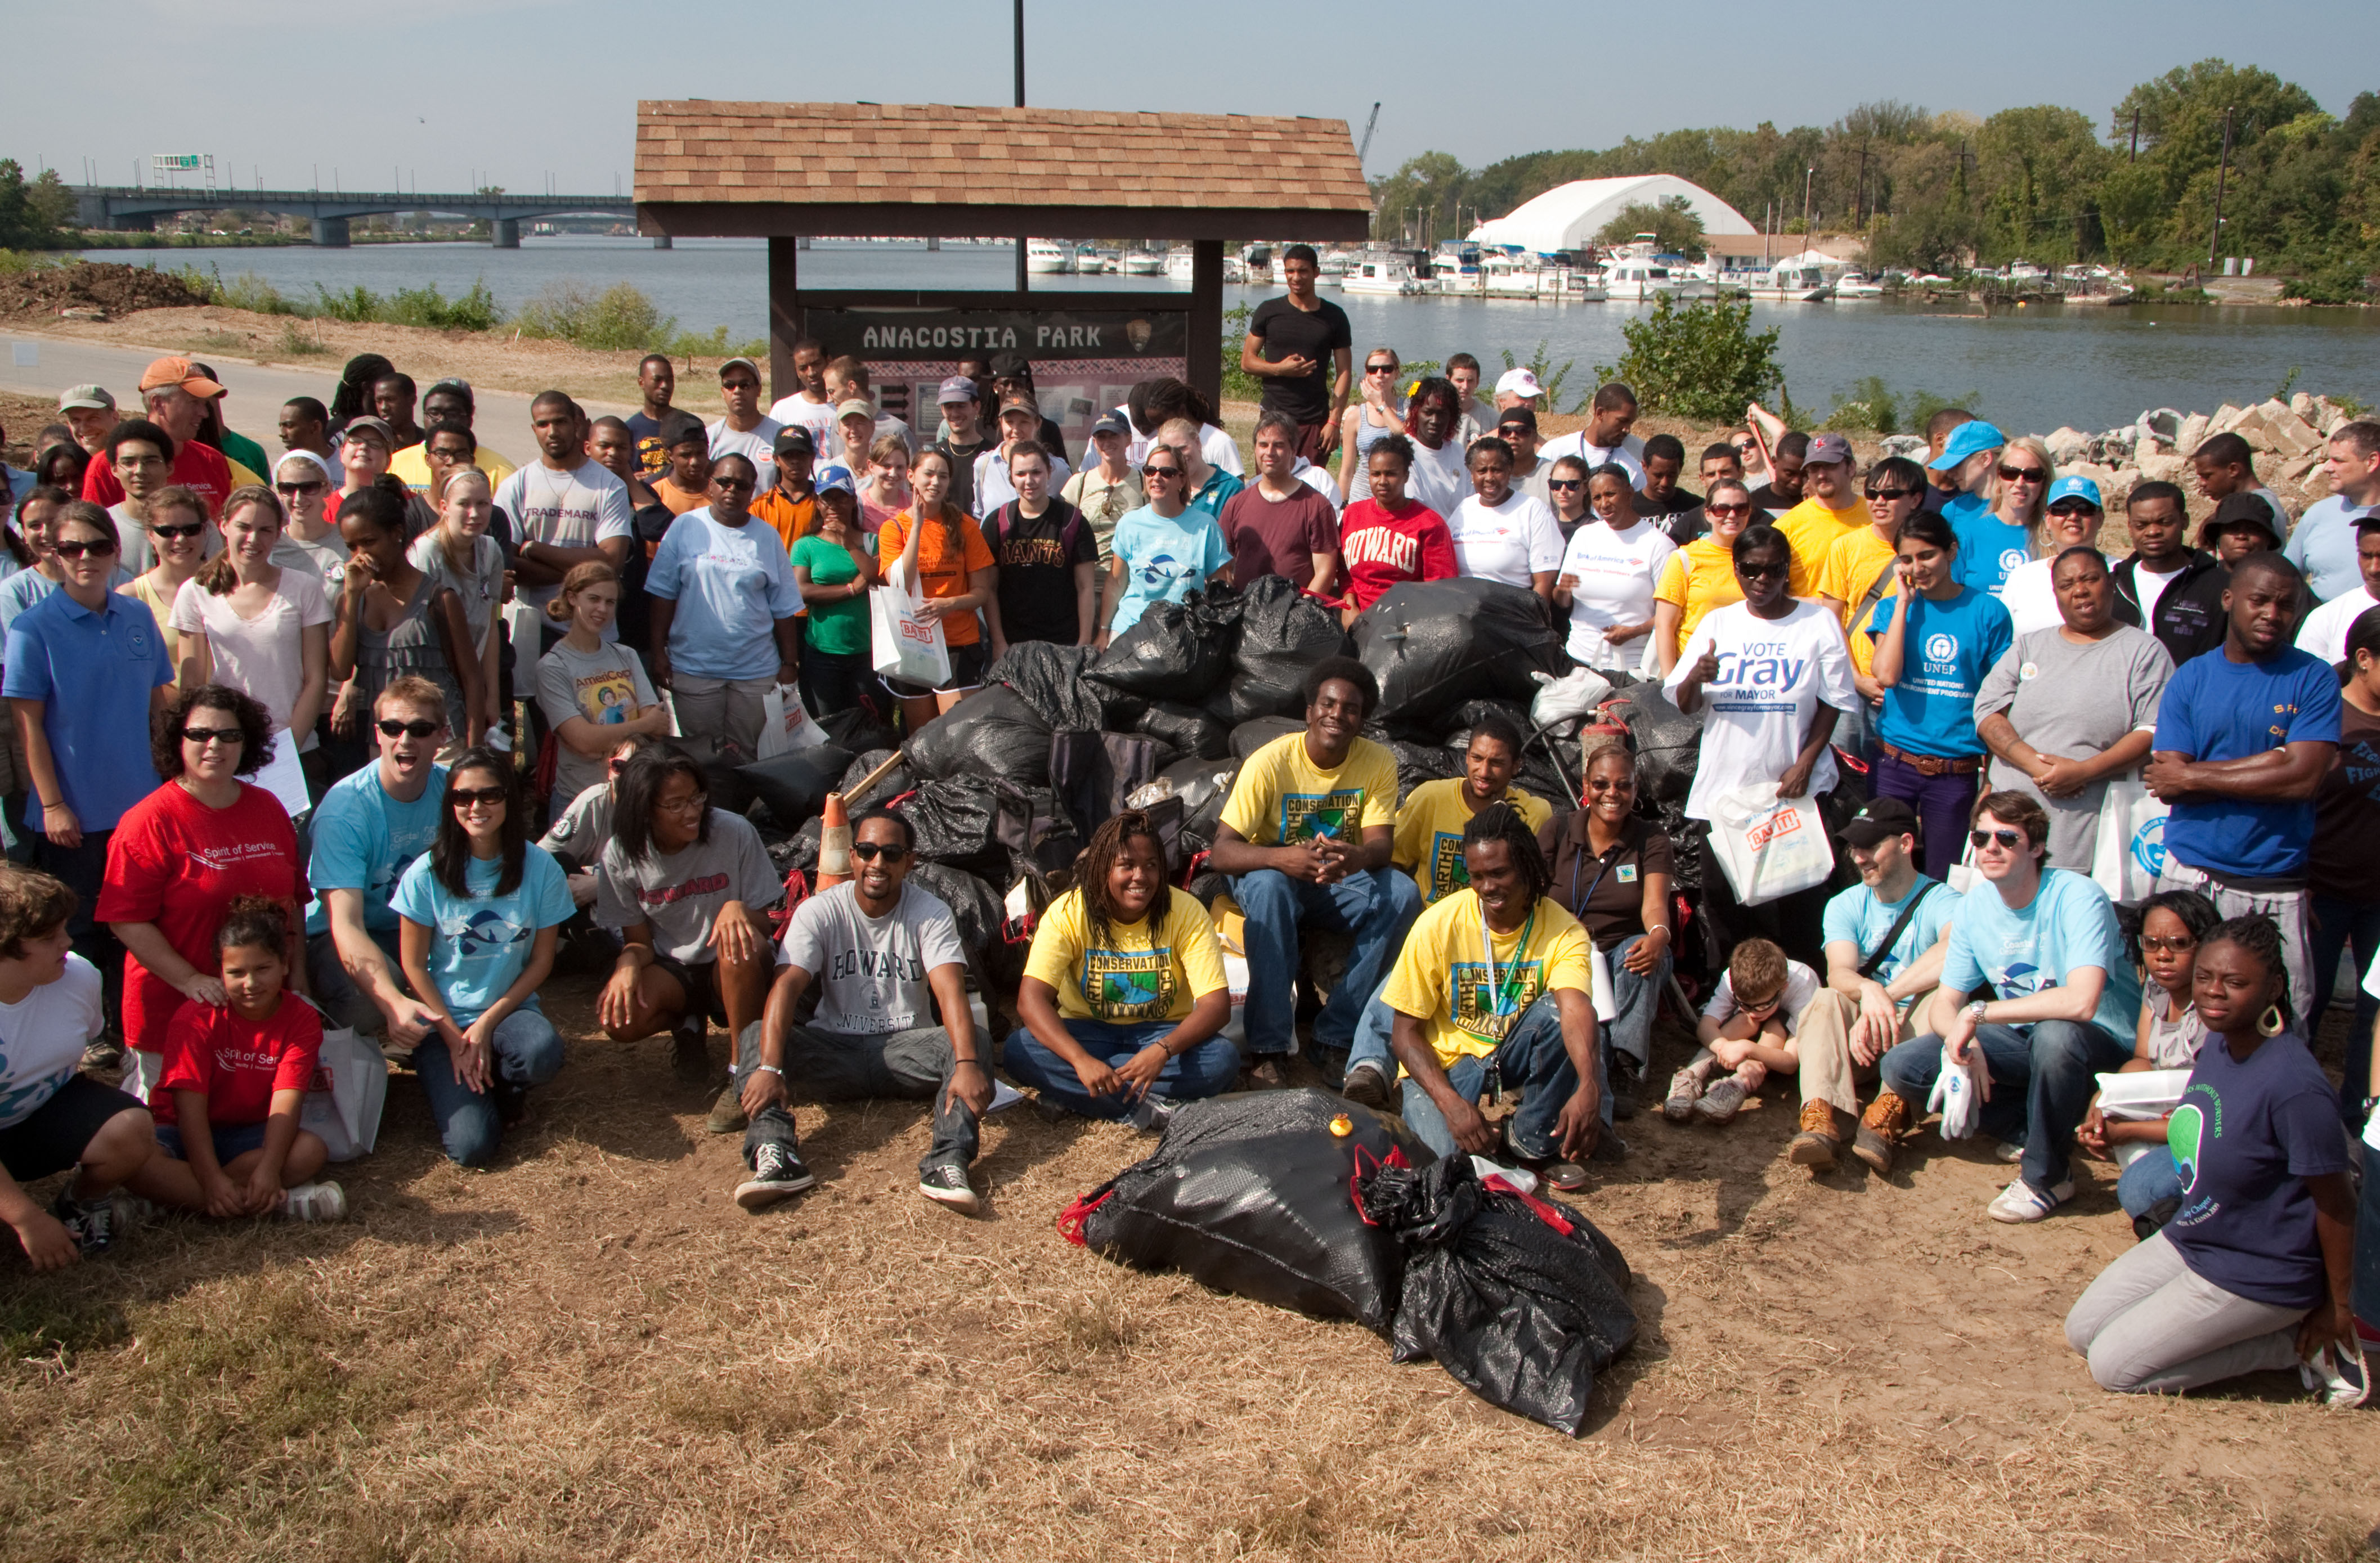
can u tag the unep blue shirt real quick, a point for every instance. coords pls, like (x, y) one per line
(2068, 924)
(364, 840)
(92, 670)
(1950, 646)
(1988, 547)
(2216, 709)
(481, 943)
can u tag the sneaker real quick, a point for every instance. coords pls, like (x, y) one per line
(2336, 1374)
(1685, 1090)
(1152, 1113)
(727, 1114)
(1817, 1145)
(91, 1225)
(315, 1201)
(1366, 1084)
(2009, 1151)
(2021, 1202)
(1883, 1126)
(1721, 1102)
(947, 1184)
(1627, 1078)
(777, 1174)
(104, 1052)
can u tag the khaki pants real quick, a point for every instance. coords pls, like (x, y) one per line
(1822, 1035)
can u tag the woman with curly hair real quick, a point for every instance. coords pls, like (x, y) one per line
(182, 855)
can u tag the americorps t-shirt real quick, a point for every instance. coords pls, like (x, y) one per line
(1947, 649)
(606, 687)
(363, 840)
(1772, 675)
(679, 894)
(2216, 709)
(578, 508)
(2068, 924)
(41, 1038)
(1508, 542)
(2245, 1138)
(1614, 573)
(870, 971)
(730, 584)
(481, 943)
(1860, 918)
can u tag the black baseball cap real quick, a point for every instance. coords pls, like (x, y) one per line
(795, 440)
(1878, 819)
(1525, 418)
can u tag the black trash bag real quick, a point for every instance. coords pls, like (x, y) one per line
(1668, 742)
(1282, 633)
(794, 787)
(1185, 802)
(1094, 773)
(957, 822)
(1175, 651)
(858, 730)
(1049, 679)
(1189, 731)
(991, 734)
(802, 847)
(722, 764)
(1523, 1301)
(1250, 737)
(975, 906)
(894, 782)
(1454, 727)
(1433, 645)
(1253, 1194)
(1417, 763)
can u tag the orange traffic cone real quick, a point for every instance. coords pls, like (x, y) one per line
(834, 843)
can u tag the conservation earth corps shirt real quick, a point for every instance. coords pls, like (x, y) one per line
(1127, 974)
(1430, 834)
(1466, 983)
(1281, 797)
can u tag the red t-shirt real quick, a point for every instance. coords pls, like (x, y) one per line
(199, 468)
(238, 1062)
(176, 863)
(1269, 537)
(1383, 548)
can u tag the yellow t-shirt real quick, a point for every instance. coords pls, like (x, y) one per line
(1281, 797)
(1442, 977)
(1698, 577)
(1852, 570)
(411, 466)
(1131, 978)
(1812, 529)
(1430, 834)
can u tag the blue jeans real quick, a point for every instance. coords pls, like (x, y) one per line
(2151, 1177)
(527, 1051)
(1207, 1070)
(1372, 1046)
(2337, 924)
(827, 1066)
(1531, 1059)
(1636, 1000)
(2042, 1084)
(336, 992)
(1375, 906)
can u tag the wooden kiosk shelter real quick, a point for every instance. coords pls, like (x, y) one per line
(785, 172)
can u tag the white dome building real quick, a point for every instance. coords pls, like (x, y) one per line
(1569, 216)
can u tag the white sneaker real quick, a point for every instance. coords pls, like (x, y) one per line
(2338, 1373)
(315, 1201)
(2021, 1202)
(2009, 1151)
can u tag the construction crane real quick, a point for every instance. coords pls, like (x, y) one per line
(1363, 150)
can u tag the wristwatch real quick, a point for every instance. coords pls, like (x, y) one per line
(1975, 1011)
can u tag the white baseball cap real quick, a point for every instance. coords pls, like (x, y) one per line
(1519, 382)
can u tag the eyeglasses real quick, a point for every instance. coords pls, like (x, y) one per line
(98, 548)
(392, 728)
(1764, 572)
(167, 534)
(203, 736)
(314, 487)
(1564, 485)
(869, 852)
(692, 804)
(2009, 840)
(2024, 475)
(1890, 493)
(123, 460)
(2180, 944)
(1729, 510)
(464, 798)
(1380, 369)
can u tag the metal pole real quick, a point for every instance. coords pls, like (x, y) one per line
(1807, 181)
(2222, 173)
(2136, 138)
(1022, 284)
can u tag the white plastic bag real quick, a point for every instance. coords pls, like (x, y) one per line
(2129, 850)
(906, 646)
(785, 726)
(1961, 875)
(2140, 1095)
(1958, 1092)
(1573, 696)
(345, 1098)
(1768, 846)
(1599, 973)
(524, 626)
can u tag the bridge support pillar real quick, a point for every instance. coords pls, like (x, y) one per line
(662, 241)
(330, 233)
(507, 233)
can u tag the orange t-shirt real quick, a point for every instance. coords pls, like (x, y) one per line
(945, 554)
(793, 519)
(677, 499)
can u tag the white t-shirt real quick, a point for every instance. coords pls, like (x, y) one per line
(1772, 675)
(758, 442)
(578, 508)
(1318, 479)
(1629, 454)
(264, 658)
(1440, 480)
(2030, 598)
(1507, 542)
(1217, 446)
(41, 1038)
(1615, 573)
(993, 488)
(1801, 986)
(2324, 634)
(2151, 587)
(797, 411)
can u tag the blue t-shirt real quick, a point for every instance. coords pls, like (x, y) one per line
(2322, 545)
(2216, 709)
(363, 840)
(1164, 561)
(730, 584)
(1988, 547)
(480, 943)
(1950, 647)
(93, 671)
(2068, 924)
(2244, 1138)
(1860, 918)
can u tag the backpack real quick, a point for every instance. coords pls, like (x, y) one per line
(995, 527)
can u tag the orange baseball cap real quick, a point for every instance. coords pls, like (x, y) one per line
(178, 372)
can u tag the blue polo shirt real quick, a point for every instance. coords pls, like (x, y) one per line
(94, 672)
(2215, 708)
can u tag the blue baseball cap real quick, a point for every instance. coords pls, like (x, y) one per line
(2074, 488)
(1966, 440)
(827, 477)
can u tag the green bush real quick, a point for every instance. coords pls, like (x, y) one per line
(1869, 407)
(619, 319)
(1703, 362)
(474, 309)
(1239, 385)
(249, 291)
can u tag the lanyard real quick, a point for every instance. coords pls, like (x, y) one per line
(1500, 982)
(1602, 866)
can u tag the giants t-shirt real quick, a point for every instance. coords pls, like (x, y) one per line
(1383, 548)
(237, 1061)
(1271, 537)
(1037, 561)
(1772, 675)
(2245, 1138)
(2216, 709)
(1284, 330)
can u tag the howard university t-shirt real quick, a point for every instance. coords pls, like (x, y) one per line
(2216, 709)
(2244, 1138)
(1946, 650)
(870, 971)
(2068, 924)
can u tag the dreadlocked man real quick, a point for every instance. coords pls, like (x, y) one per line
(1123, 994)
(1493, 987)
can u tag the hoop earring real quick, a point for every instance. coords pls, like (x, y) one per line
(2271, 1024)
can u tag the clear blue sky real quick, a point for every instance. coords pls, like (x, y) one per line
(516, 89)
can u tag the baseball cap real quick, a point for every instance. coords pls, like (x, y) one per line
(96, 396)
(828, 480)
(2075, 488)
(854, 407)
(2241, 510)
(1524, 418)
(680, 426)
(1519, 382)
(1878, 819)
(1112, 423)
(957, 388)
(367, 424)
(1825, 450)
(746, 363)
(795, 440)
(181, 372)
(1968, 438)
(1019, 403)
(1010, 365)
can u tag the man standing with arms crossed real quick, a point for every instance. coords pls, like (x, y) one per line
(1301, 348)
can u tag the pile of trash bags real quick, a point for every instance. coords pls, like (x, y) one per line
(1307, 1201)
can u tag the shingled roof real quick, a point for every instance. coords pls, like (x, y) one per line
(751, 169)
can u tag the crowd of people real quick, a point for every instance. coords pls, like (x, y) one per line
(351, 738)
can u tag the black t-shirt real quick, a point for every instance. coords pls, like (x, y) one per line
(1036, 560)
(653, 456)
(962, 492)
(1287, 331)
(1675, 502)
(1767, 499)
(1605, 893)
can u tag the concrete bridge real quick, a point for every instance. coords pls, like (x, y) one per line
(123, 209)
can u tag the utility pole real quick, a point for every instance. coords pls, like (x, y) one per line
(1859, 199)
(2222, 173)
(2136, 138)
(1022, 276)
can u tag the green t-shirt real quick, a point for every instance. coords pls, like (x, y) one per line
(248, 454)
(839, 628)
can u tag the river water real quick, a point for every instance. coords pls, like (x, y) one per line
(2085, 365)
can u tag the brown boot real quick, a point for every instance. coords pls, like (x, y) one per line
(1884, 1124)
(1817, 1145)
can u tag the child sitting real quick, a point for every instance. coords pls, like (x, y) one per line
(235, 1077)
(1746, 1030)
(2172, 922)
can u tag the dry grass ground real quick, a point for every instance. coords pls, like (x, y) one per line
(590, 1352)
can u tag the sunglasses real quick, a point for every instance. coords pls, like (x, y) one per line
(1763, 572)
(2074, 507)
(2180, 944)
(315, 487)
(869, 852)
(464, 798)
(1729, 510)
(2024, 475)
(168, 534)
(1161, 472)
(1380, 369)
(204, 736)
(1890, 493)
(98, 548)
(2009, 840)
(392, 728)
(1564, 485)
